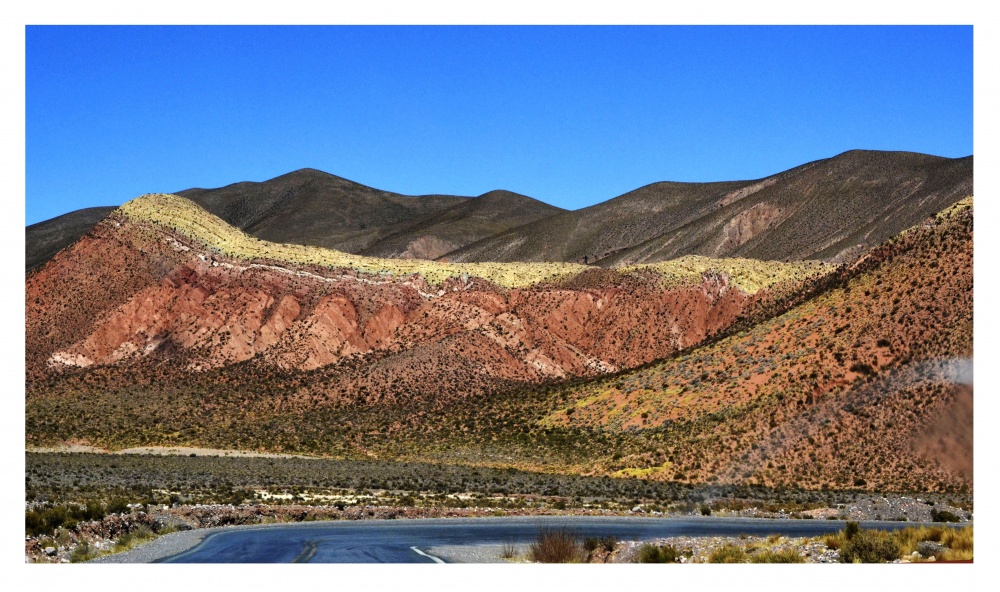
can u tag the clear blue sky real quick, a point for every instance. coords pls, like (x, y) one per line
(569, 115)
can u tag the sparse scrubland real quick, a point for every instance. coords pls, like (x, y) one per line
(105, 502)
(842, 391)
(851, 545)
(694, 386)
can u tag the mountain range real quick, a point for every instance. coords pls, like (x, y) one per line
(773, 331)
(830, 209)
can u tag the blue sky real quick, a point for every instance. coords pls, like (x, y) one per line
(569, 115)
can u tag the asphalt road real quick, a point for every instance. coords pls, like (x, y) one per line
(408, 541)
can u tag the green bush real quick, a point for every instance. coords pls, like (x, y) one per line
(728, 554)
(118, 506)
(140, 534)
(870, 546)
(34, 524)
(852, 528)
(47, 520)
(943, 516)
(93, 510)
(81, 553)
(654, 554)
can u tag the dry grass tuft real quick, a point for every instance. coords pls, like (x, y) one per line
(556, 546)
(509, 550)
(958, 539)
(769, 556)
(874, 546)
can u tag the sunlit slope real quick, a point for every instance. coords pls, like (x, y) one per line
(838, 391)
(184, 217)
(750, 275)
(830, 209)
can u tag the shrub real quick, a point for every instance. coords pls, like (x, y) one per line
(850, 529)
(862, 368)
(80, 553)
(834, 541)
(118, 506)
(943, 516)
(607, 543)
(728, 554)
(94, 510)
(46, 521)
(141, 534)
(509, 550)
(34, 523)
(870, 546)
(555, 546)
(654, 554)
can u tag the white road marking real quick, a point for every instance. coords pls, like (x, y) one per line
(433, 558)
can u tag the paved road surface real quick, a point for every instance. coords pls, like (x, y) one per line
(409, 541)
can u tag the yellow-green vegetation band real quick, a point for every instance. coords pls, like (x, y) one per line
(750, 275)
(187, 218)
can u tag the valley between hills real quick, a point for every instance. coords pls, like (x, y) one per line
(787, 340)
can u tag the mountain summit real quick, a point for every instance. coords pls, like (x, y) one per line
(831, 209)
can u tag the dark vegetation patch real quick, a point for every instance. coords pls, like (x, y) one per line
(650, 553)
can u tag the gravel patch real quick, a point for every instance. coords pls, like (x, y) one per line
(477, 553)
(698, 549)
(159, 548)
(174, 543)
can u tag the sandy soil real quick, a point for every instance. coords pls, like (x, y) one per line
(164, 451)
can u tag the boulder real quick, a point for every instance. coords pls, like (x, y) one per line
(929, 548)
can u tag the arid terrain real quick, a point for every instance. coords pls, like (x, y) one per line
(808, 332)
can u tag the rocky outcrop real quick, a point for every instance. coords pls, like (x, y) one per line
(734, 196)
(749, 224)
(427, 247)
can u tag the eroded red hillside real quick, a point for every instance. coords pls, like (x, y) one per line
(132, 292)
